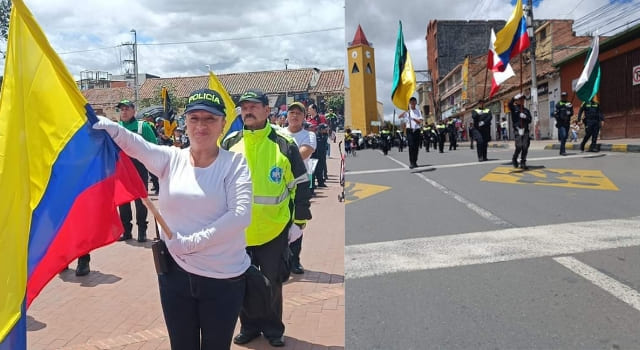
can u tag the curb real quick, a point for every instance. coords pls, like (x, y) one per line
(608, 147)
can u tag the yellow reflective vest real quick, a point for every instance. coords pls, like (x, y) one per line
(276, 170)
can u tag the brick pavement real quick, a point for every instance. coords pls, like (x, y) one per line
(117, 306)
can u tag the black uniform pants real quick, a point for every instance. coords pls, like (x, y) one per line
(268, 257)
(591, 131)
(321, 169)
(453, 141)
(141, 210)
(413, 138)
(426, 141)
(522, 145)
(441, 142)
(482, 140)
(296, 248)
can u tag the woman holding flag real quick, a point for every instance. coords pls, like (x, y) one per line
(207, 206)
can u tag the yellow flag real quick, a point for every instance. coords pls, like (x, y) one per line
(41, 110)
(215, 84)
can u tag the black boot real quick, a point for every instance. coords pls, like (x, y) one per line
(523, 165)
(142, 236)
(83, 265)
(514, 161)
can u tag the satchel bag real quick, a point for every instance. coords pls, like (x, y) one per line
(258, 296)
(160, 254)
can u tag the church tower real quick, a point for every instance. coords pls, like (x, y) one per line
(362, 84)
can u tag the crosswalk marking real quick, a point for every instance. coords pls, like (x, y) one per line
(372, 259)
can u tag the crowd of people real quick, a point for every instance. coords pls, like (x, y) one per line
(417, 133)
(231, 206)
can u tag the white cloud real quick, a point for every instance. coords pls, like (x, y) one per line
(379, 21)
(81, 25)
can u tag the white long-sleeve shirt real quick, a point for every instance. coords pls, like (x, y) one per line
(207, 209)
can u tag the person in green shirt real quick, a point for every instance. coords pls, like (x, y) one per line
(127, 119)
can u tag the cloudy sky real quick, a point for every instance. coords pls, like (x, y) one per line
(243, 35)
(379, 21)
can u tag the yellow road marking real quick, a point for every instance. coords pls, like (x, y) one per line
(355, 191)
(588, 179)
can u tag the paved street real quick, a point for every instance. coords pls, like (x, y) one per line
(458, 254)
(117, 305)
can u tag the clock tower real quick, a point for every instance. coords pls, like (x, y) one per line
(362, 84)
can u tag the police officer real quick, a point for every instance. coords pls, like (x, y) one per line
(127, 119)
(453, 134)
(563, 113)
(441, 129)
(482, 130)
(426, 137)
(385, 136)
(593, 121)
(280, 199)
(520, 118)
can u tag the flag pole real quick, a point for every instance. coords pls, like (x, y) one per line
(534, 76)
(147, 202)
(484, 90)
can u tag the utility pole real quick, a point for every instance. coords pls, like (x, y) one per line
(132, 64)
(534, 81)
(286, 91)
(135, 64)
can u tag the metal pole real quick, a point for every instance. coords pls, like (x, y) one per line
(286, 91)
(534, 81)
(135, 65)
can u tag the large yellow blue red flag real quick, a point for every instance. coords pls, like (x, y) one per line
(512, 39)
(234, 122)
(60, 180)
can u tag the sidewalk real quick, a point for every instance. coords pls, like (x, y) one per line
(117, 305)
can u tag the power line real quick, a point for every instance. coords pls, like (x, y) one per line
(620, 26)
(89, 50)
(243, 38)
(210, 41)
(570, 12)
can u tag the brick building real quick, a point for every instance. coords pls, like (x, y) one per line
(619, 94)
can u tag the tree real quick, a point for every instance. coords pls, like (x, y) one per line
(336, 102)
(5, 12)
(156, 99)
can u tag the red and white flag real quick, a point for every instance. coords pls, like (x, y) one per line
(495, 65)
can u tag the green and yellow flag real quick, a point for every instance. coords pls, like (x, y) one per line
(404, 77)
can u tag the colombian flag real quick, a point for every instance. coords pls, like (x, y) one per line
(404, 77)
(234, 123)
(60, 181)
(512, 39)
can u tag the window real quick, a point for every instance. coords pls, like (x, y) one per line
(543, 34)
(369, 69)
(355, 69)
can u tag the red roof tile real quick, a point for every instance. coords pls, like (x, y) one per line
(107, 97)
(331, 81)
(271, 82)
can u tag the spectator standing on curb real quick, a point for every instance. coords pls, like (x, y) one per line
(306, 141)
